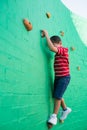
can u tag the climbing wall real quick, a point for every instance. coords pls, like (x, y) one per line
(26, 65)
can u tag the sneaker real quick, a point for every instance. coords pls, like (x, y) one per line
(65, 113)
(53, 119)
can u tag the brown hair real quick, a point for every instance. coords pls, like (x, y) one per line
(55, 39)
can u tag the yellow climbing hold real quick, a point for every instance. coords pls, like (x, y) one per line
(78, 68)
(72, 48)
(48, 15)
(62, 33)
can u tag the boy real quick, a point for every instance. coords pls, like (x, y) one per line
(62, 76)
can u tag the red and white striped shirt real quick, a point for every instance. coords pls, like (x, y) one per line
(61, 62)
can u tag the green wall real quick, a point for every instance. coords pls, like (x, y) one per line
(26, 66)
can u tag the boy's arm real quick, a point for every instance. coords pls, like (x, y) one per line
(49, 43)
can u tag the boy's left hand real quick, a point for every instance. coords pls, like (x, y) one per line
(44, 33)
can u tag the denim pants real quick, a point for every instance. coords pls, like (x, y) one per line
(60, 86)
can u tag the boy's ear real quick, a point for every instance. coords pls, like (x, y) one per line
(60, 42)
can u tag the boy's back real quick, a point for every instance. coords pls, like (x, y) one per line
(61, 62)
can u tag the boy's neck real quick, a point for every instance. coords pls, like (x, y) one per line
(60, 45)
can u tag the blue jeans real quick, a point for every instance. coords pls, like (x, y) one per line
(60, 85)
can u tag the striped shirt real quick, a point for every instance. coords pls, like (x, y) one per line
(61, 62)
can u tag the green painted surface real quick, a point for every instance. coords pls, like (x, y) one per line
(26, 66)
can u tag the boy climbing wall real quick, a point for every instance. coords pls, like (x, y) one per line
(62, 77)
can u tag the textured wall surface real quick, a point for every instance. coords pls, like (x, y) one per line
(26, 66)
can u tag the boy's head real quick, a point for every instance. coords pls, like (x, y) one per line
(56, 40)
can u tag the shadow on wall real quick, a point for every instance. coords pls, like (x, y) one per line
(49, 59)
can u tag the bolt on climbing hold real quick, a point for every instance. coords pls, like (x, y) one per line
(61, 33)
(72, 48)
(48, 15)
(27, 25)
(78, 67)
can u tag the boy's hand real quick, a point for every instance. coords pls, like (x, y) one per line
(44, 33)
(49, 42)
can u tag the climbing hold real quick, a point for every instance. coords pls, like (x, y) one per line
(78, 68)
(61, 121)
(72, 48)
(49, 125)
(27, 25)
(42, 34)
(61, 33)
(48, 15)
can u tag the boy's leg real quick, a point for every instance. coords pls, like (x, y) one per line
(53, 118)
(66, 110)
(57, 104)
(63, 105)
(60, 86)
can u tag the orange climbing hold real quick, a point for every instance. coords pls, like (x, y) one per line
(27, 25)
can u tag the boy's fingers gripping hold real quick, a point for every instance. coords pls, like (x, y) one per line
(44, 33)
